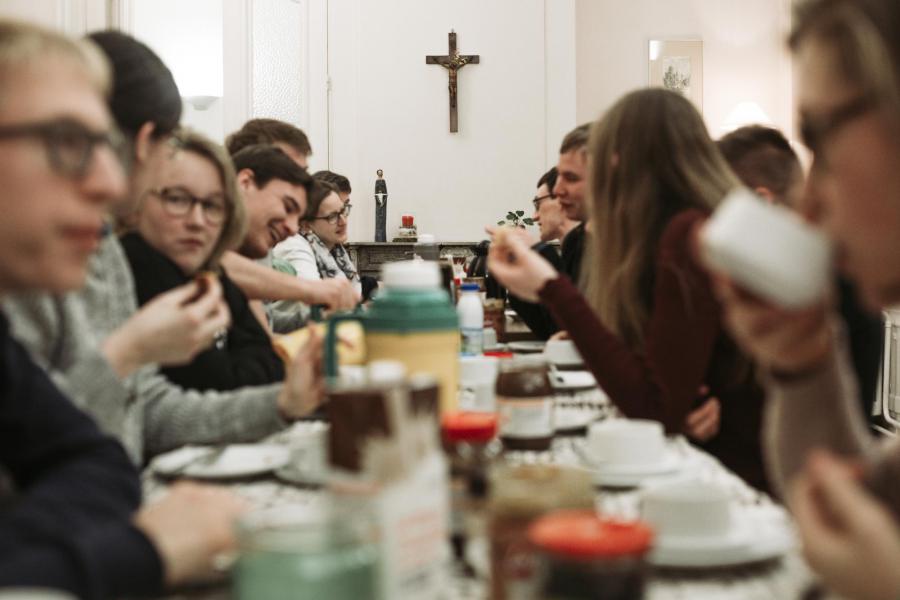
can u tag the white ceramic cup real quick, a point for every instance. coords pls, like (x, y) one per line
(562, 352)
(768, 249)
(308, 444)
(477, 379)
(627, 442)
(687, 509)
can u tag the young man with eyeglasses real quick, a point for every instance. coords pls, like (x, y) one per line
(551, 219)
(72, 524)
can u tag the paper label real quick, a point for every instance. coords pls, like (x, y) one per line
(525, 417)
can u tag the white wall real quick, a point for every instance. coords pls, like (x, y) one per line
(75, 17)
(744, 55)
(389, 110)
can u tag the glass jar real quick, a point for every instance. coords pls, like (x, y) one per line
(586, 557)
(495, 317)
(525, 404)
(467, 439)
(327, 553)
(519, 495)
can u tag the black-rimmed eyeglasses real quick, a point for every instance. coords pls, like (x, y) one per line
(332, 218)
(69, 144)
(536, 202)
(179, 202)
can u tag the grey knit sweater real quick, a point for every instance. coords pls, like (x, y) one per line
(145, 411)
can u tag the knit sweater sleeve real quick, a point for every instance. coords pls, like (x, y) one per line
(660, 383)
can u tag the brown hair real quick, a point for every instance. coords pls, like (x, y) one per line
(320, 190)
(338, 180)
(864, 39)
(762, 157)
(268, 131)
(577, 139)
(651, 158)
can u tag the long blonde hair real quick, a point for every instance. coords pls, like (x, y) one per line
(650, 158)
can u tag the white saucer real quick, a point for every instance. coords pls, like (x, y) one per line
(572, 380)
(754, 538)
(531, 346)
(625, 475)
(237, 460)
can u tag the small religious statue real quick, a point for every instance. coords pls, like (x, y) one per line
(453, 62)
(380, 208)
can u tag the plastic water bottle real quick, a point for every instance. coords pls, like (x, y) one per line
(471, 319)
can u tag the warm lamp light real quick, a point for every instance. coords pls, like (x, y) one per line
(745, 113)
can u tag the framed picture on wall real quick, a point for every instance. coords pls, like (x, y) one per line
(677, 65)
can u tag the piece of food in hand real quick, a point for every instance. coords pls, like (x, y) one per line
(351, 342)
(204, 280)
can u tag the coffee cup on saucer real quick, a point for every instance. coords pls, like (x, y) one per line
(768, 249)
(687, 509)
(562, 353)
(627, 442)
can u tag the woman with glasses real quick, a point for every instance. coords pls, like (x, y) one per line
(187, 216)
(318, 251)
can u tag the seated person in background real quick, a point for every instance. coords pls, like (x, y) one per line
(652, 334)
(254, 276)
(189, 214)
(765, 162)
(74, 523)
(554, 224)
(318, 251)
(103, 351)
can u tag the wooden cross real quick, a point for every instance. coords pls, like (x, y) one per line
(453, 62)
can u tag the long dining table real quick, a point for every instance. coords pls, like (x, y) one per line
(787, 576)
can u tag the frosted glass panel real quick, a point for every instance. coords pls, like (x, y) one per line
(277, 59)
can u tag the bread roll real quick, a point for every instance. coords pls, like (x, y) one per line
(351, 342)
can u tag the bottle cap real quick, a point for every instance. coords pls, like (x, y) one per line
(411, 274)
(469, 427)
(469, 287)
(583, 534)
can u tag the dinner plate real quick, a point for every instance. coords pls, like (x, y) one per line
(572, 380)
(753, 538)
(527, 347)
(237, 460)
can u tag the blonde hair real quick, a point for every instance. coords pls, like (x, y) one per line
(234, 227)
(864, 36)
(650, 158)
(24, 44)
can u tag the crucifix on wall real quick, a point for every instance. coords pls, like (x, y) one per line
(453, 62)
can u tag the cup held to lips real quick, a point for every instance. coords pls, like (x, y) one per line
(627, 442)
(768, 249)
(687, 509)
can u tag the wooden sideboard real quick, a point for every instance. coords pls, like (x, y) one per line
(369, 256)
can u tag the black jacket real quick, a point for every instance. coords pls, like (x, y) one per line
(244, 358)
(536, 316)
(69, 526)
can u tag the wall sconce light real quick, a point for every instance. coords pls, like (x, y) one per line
(201, 102)
(745, 113)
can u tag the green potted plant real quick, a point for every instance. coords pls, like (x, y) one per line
(516, 219)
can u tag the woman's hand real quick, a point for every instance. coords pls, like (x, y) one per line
(519, 268)
(170, 329)
(786, 341)
(702, 424)
(304, 384)
(849, 537)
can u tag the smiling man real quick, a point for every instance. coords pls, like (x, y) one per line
(275, 190)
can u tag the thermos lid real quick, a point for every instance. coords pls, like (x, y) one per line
(411, 275)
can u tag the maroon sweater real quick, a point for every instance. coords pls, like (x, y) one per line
(685, 347)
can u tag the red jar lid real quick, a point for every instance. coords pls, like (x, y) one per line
(582, 534)
(469, 427)
(499, 354)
